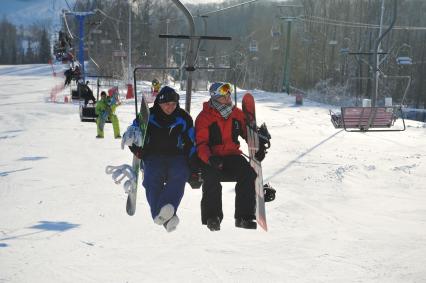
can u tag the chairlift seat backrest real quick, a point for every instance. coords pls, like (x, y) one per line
(253, 46)
(362, 119)
(404, 60)
(367, 117)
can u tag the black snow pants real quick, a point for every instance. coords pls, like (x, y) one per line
(239, 169)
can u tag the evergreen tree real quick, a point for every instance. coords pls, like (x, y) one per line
(29, 55)
(44, 50)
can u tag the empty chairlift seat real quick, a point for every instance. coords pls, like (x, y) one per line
(362, 119)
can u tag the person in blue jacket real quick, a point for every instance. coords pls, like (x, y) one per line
(166, 154)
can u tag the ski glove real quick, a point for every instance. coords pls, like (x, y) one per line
(132, 136)
(136, 150)
(264, 142)
(264, 136)
(216, 162)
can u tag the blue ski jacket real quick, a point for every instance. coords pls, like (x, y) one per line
(169, 134)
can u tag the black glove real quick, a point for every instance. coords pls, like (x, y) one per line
(136, 150)
(264, 142)
(264, 136)
(216, 162)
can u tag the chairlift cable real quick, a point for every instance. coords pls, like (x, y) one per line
(69, 7)
(327, 21)
(68, 29)
(94, 62)
(227, 8)
(109, 17)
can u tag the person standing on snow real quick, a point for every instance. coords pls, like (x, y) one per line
(169, 145)
(105, 109)
(217, 128)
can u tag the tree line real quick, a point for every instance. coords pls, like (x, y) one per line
(324, 36)
(328, 47)
(23, 45)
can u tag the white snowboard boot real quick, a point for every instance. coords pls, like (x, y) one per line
(172, 224)
(166, 212)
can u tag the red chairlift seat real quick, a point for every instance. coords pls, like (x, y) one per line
(363, 119)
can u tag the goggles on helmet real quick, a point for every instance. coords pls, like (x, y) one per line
(224, 90)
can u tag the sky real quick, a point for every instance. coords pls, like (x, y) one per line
(350, 207)
(10, 6)
(28, 11)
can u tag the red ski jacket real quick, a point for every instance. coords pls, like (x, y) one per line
(216, 136)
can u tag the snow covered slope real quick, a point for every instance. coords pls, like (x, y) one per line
(350, 207)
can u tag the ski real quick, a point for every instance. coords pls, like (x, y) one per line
(248, 107)
(142, 119)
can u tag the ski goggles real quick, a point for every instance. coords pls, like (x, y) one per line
(223, 90)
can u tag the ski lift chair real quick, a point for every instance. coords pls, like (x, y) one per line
(87, 112)
(404, 61)
(404, 57)
(372, 119)
(253, 47)
(195, 179)
(74, 90)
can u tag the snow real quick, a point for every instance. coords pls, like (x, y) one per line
(350, 207)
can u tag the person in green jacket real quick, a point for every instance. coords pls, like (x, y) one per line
(105, 109)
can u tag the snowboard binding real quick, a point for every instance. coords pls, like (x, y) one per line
(268, 192)
(119, 173)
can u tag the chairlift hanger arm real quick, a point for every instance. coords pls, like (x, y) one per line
(406, 88)
(359, 59)
(215, 68)
(197, 37)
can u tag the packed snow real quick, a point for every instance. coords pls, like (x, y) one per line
(350, 207)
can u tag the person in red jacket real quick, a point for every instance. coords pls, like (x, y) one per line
(217, 129)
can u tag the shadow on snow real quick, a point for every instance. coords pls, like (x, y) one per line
(44, 226)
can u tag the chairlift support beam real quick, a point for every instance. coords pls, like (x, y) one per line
(289, 19)
(376, 72)
(191, 54)
(80, 17)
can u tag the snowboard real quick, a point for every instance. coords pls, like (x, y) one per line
(248, 107)
(142, 118)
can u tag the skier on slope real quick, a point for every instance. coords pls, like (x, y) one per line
(167, 151)
(86, 93)
(73, 73)
(105, 109)
(217, 129)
